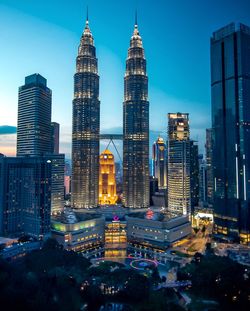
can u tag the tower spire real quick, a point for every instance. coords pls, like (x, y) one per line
(87, 17)
(136, 24)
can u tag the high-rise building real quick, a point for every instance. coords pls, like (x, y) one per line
(34, 117)
(57, 168)
(37, 136)
(136, 127)
(57, 182)
(203, 184)
(194, 174)
(25, 194)
(209, 166)
(86, 125)
(159, 155)
(107, 181)
(179, 196)
(55, 132)
(230, 87)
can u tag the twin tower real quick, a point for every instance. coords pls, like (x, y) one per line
(86, 126)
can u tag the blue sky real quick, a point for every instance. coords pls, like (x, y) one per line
(43, 36)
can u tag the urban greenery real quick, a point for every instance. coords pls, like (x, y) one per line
(218, 279)
(54, 279)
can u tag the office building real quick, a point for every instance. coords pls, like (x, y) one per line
(37, 136)
(159, 156)
(25, 196)
(209, 165)
(55, 133)
(179, 195)
(57, 182)
(136, 127)
(203, 188)
(86, 125)
(107, 180)
(230, 90)
(194, 174)
(34, 117)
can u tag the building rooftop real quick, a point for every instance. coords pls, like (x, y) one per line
(149, 214)
(230, 29)
(69, 216)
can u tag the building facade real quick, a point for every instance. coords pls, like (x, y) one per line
(203, 187)
(136, 127)
(57, 182)
(25, 196)
(194, 174)
(209, 165)
(159, 157)
(107, 180)
(230, 88)
(55, 133)
(83, 233)
(34, 117)
(155, 231)
(86, 125)
(179, 195)
(37, 135)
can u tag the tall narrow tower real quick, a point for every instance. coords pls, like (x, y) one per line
(179, 195)
(34, 117)
(159, 155)
(230, 90)
(86, 125)
(136, 127)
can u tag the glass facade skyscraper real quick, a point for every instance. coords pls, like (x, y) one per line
(34, 117)
(194, 174)
(179, 199)
(25, 196)
(159, 155)
(209, 166)
(86, 125)
(55, 133)
(136, 127)
(230, 86)
(37, 136)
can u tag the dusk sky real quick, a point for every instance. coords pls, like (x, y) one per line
(43, 37)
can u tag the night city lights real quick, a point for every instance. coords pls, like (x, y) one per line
(124, 155)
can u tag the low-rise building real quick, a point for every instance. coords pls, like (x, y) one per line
(155, 230)
(80, 232)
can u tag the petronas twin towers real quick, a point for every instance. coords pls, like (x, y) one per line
(86, 126)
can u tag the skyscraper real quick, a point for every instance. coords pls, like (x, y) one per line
(25, 194)
(230, 87)
(57, 171)
(107, 181)
(209, 166)
(159, 156)
(194, 174)
(37, 136)
(179, 199)
(86, 125)
(136, 127)
(55, 132)
(34, 117)
(57, 182)
(203, 183)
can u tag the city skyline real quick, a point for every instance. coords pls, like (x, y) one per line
(169, 94)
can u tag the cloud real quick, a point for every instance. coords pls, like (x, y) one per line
(7, 129)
